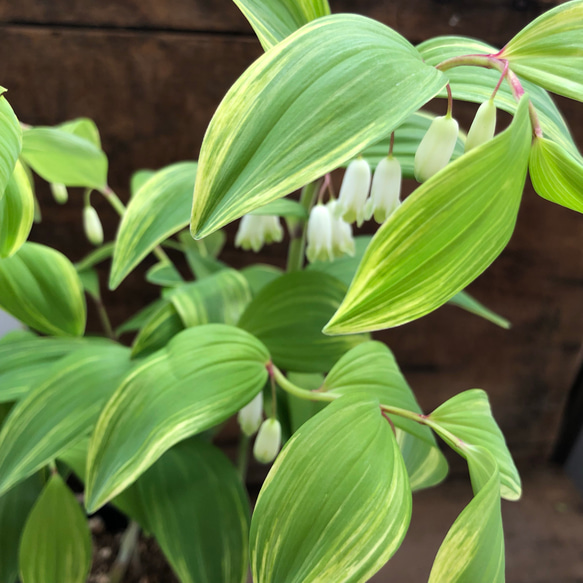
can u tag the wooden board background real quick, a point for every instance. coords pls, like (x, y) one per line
(151, 74)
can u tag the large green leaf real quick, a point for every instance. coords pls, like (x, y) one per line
(26, 363)
(56, 542)
(59, 411)
(288, 314)
(195, 505)
(259, 275)
(63, 157)
(10, 141)
(15, 506)
(159, 209)
(477, 84)
(465, 422)
(203, 376)
(442, 237)
(40, 287)
(315, 100)
(473, 549)
(556, 175)
(16, 212)
(549, 51)
(273, 21)
(336, 503)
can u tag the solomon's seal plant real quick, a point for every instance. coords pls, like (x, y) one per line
(135, 424)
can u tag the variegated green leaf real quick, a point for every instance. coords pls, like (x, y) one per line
(97, 256)
(15, 506)
(442, 237)
(60, 156)
(259, 275)
(272, 133)
(158, 210)
(40, 287)
(140, 318)
(16, 212)
(283, 207)
(162, 324)
(60, 410)
(273, 21)
(288, 314)
(164, 274)
(477, 84)
(10, 141)
(466, 422)
(556, 175)
(138, 179)
(82, 127)
(465, 301)
(201, 255)
(56, 542)
(336, 503)
(549, 51)
(203, 376)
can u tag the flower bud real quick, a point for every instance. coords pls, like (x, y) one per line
(92, 225)
(257, 230)
(268, 441)
(353, 191)
(319, 234)
(59, 192)
(342, 239)
(483, 126)
(436, 147)
(251, 415)
(385, 190)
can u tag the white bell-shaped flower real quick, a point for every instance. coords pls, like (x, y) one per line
(354, 191)
(268, 441)
(251, 415)
(319, 234)
(436, 147)
(385, 190)
(342, 239)
(92, 225)
(257, 230)
(483, 127)
(59, 192)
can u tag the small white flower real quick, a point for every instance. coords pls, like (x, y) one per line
(59, 192)
(385, 190)
(92, 225)
(342, 239)
(483, 126)
(353, 191)
(257, 230)
(319, 234)
(436, 147)
(268, 441)
(251, 415)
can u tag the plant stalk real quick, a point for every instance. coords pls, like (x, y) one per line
(127, 548)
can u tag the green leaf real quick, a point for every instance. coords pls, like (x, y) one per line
(288, 314)
(97, 256)
(283, 207)
(218, 298)
(140, 318)
(82, 127)
(442, 237)
(25, 363)
(10, 143)
(165, 274)
(162, 324)
(556, 175)
(259, 275)
(63, 157)
(196, 507)
(465, 301)
(139, 178)
(202, 255)
(40, 287)
(336, 503)
(203, 376)
(16, 212)
(315, 100)
(15, 507)
(56, 542)
(158, 210)
(273, 21)
(60, 410)
(300, 410)
(549, 50)
(477, 84)
(465, 422)
(473, 549)
(90, 282)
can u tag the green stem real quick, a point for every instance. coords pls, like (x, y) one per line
(243, 457)
(297, 246)
(104, 318)
(296, 391)
(127, 547)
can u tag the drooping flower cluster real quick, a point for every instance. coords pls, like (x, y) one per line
(257, 230)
